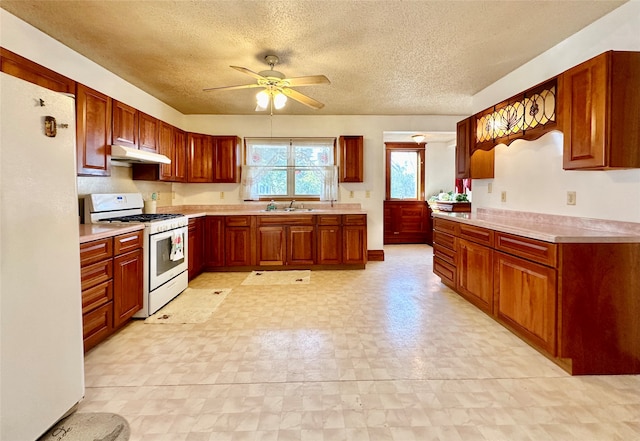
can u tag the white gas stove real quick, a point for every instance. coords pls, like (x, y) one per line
(165, 244)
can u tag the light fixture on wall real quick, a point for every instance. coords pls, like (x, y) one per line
(418, 138)
(267, 96)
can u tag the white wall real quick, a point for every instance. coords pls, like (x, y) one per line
(531, 172)
(440, 163)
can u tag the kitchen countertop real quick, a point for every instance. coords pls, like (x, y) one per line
(259, 210)
(89, 232)
(549, 228)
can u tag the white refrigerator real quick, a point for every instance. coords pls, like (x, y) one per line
(41, 352)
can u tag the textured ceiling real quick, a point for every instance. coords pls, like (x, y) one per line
(382, 57)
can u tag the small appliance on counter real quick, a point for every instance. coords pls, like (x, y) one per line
(165, 244)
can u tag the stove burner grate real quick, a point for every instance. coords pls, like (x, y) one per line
(143, 217)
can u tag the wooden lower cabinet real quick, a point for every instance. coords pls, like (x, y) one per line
(354, 244)
(301, 245)
(526, 299)
(407, 222)
(475, 274)
(111, 276)
(196, 246)
(329, 244)
(271, 244)
(127, 286)
(237, 246)
(213, 247)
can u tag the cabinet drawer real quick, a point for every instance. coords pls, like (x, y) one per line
(446, 271)
(95, 251)
(237, 221)
(476, 234)
(446, 254)
(97, 325)
(329, 219)
(354, 219)
(444, 240)
(542, 252)
(287, 219)
(92, 275)
(127, 242)
(447, 226)
(97, 296)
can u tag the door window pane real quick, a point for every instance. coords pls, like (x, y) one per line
(404, 175)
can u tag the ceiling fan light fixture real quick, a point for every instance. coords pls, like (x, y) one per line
(263, 100)
(279, 100)
(418, 138)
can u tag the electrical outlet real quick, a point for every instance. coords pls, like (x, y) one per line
(222, 195)
(351, 194)
(503, 196)
(490, 187)
(571, 198)
(367, 194)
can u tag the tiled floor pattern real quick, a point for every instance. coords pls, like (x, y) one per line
(387, 353)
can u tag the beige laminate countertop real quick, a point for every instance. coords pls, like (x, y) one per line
(257, 210)
(549, 228)
(89, 232)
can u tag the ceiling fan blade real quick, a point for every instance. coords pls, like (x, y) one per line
(307, 101)
(307, 81)
(248, 72)
(242, 86)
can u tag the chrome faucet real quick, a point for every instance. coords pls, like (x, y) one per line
(291, 204)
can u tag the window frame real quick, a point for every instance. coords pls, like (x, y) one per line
(418, 148)
(291, 167)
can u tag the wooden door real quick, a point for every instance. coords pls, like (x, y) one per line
(179, 157)
(463, 153)
(526, 299)
(301, 245)
(200, 158)
(226, 159)
(354, 244)
(166, 146)
(237, 246)
(148, 133)
(475, 274)
(196, 246)
(127, 286)
(93, 132)
(584, 101)
(271, 245)
(125, 125)
(351, 159)
(214, 241)
(329, 244)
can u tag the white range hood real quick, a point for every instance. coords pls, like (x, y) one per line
(124, 154)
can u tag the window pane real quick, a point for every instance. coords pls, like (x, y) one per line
(404, 175)
(273, 182)
(307, 182)
(267, 155)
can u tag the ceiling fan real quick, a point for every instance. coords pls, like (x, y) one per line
(277, 87)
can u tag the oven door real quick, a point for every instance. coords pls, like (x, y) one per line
(168, 253)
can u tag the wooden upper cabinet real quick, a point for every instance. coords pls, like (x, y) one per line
(20, 67)
(480, 164)
(179, 157)
(166, 146)
(147, 132)
(351, 159)
(125, 125)
(200, 150)
(93, 132)
(599, 108)
(226, 159)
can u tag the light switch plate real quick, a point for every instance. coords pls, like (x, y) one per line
(571, 198)
(503, 196)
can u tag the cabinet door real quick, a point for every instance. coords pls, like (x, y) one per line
(226, 159)
(93, 132)
(463, 152)
(301, 245)
(200, 158)
(237, 246)
(354, 244)
(125, 125)
(179, 157)
(166, 146)
(329, 244)
(526, 299)
(475, 274)
(351, 159)
(214, 241)
(271, 245)
(196, 248)
(147, 133)
(127, 286)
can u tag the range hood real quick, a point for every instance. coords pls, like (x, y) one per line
(121, 153)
